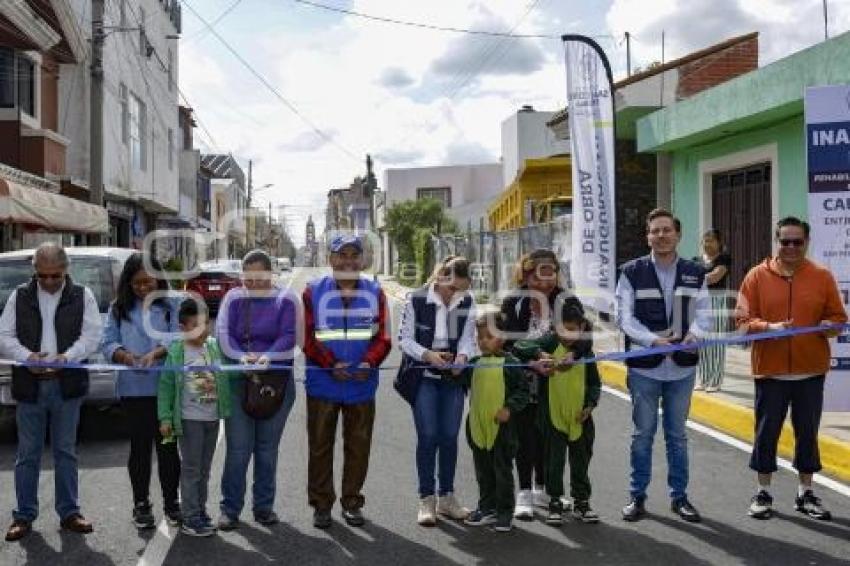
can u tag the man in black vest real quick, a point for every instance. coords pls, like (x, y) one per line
(48, 319)
(662, 300)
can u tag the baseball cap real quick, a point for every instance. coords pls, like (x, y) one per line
(340, 242)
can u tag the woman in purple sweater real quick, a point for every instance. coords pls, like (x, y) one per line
(256, 324)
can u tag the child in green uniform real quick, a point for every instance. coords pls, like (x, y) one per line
(567, 399)
(497, 392)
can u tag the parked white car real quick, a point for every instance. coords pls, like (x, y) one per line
(98, 269)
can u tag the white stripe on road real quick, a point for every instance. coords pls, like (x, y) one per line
(826, 482)
(157, 549)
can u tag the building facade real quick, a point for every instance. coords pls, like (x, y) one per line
(644, 179)
(38, 200)
(141, 129)
(525, 136)
(229, 204)
(737, 153)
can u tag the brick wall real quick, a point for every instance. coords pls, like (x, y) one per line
(717, 67)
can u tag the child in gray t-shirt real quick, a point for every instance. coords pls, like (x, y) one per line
(191, 402)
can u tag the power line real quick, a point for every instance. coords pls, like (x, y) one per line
(329, 139)
(485, 57)
(421, 25)
(199, 34)
(164, 66)
(493, 50)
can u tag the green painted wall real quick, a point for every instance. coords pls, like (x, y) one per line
(771, 93)
(789, 137)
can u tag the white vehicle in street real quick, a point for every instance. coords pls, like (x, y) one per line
(98, 269)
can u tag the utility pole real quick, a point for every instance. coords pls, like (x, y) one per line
(249, 218)
(96, 111)
(825, 27)
(628, 54)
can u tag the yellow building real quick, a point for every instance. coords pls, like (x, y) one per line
(537, 180)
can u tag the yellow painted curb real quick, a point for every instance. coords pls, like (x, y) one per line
(738, 421)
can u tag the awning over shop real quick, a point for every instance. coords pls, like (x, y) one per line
(28, 205)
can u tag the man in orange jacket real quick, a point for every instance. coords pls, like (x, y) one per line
(783, 292)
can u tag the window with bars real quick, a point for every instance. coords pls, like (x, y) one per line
(441, 194)
(7, 78)
(170, 137)
(26, 85)
(123, 96)
(170, 70)
(137, 131)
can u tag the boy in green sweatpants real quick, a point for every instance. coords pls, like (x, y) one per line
(567, 399)
(496, 394)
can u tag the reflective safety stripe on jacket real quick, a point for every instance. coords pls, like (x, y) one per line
(346, 327)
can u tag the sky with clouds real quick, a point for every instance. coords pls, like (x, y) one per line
(347, 86)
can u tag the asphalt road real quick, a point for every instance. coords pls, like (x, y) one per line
(721, 486)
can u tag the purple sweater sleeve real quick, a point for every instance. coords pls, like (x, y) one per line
(284, 342)
(227, 325)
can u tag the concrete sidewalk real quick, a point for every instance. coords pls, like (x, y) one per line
(728, 410)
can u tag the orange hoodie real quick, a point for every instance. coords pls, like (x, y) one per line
(807, 298)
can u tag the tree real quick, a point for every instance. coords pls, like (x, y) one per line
(405, 217)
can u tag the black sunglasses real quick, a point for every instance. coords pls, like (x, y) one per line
(49, 276)
(792, 242)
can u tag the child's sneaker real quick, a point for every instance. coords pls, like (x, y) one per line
(539, 497)
(143, 516)
(524, 508)
(227, 523)
(504, 523)
(811, 506)
(196, 528)
(556, 512)
(173, 516)
(582, 512)
(480, 518)
(449, 506)
(761, 505)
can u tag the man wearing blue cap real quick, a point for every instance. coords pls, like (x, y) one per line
(345, 341)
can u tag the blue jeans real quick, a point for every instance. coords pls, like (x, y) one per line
(675, 398)
(246, 437)
(437, 414)
(64, 416)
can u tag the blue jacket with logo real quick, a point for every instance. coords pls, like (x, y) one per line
(651, 310)
(345, 328)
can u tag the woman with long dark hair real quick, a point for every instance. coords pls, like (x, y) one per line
(139, 325)
(529, 315)
(437, 330)
(716, 261)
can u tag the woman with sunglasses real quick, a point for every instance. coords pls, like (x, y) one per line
(437, 330)
(529, 315)
(717, 262)
(139, 327)
(256, 325)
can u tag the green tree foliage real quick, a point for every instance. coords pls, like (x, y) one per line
(405, 217)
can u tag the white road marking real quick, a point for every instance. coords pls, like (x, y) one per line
(157, 549)
(826, 482)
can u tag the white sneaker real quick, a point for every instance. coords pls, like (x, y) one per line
(427, 511)
(541, 499)
(524, 505)
(448, 506)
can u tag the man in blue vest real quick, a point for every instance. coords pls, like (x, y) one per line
(662, 300)
(346, 338)
(49, 319)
